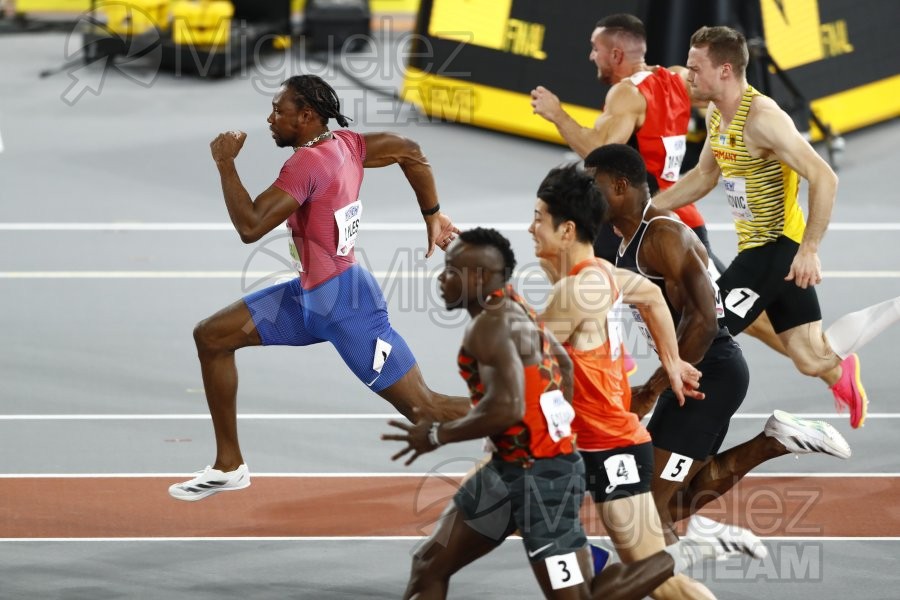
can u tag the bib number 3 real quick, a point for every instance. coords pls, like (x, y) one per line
(564, 571)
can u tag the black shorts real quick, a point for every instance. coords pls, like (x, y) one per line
(754, 282)
(697, 429)
(542, 502)
(633, 464)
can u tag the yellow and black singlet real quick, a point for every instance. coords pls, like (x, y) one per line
(762, 193)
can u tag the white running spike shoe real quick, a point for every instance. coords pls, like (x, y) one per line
(729, 540)
(803, 436)
(211, 481)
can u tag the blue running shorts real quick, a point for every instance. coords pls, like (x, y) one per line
(348, 310)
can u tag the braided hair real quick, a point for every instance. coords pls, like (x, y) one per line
(482, 236)
(314, 92)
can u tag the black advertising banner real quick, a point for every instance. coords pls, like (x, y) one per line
(476, 61)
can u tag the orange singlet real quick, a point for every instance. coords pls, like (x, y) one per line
(531, 437)
(603, 419)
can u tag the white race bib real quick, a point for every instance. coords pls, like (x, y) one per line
(382, 351)
(621, 469)
(736, 193)
(295, 254)
(642, 327)
(615, 328)
(677, 468)
(558, 413)
(676, 145)
(741, 300)
(347, 219)
(564, 571)
(713, 277)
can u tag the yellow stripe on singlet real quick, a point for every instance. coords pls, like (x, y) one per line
(771, 208)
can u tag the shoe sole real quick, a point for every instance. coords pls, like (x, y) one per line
(207, 493)
(864, 404)
(826, 444)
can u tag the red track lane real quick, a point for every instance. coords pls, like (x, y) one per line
(395, 506)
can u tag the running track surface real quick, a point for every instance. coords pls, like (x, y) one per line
(92, 507)
(72, 344)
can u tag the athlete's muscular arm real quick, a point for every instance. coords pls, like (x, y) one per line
(671, 250)
(493, 343)
(770, 133)
(695, 184)
(676, 373)
(623, 113)
(383, 149)
(252, 219)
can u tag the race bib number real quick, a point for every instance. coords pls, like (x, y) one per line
(713, 277)
(736, 193)
(621, 469)
(564, 571)
(615, 328)
(348, 219)
(382, 351)
(558, 413)
(642, 327)
(295, 254)
(740, 301)
(675, 149)
(677, 468)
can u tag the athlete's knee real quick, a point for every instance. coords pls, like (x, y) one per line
(207, 337)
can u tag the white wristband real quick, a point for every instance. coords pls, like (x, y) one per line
(433, 435)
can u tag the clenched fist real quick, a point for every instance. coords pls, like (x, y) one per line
(227, 145)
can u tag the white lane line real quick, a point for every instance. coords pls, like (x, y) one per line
(392, 538)
(256, 275)
(374, 475)
(422, 274)
(255, 474)
(330, 416)
(419, 274)
(200, 416)
(386, 226)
